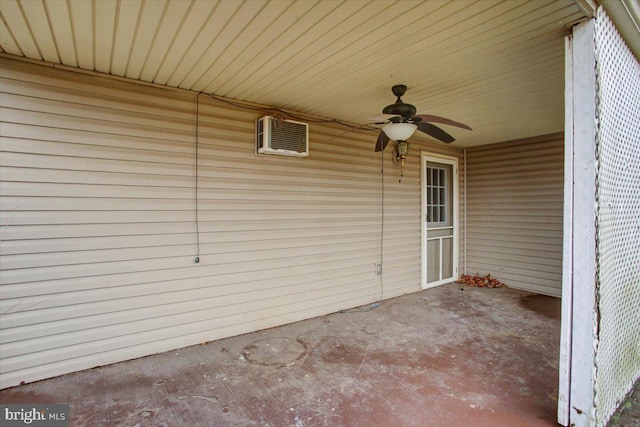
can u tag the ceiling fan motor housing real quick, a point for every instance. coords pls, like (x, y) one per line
(407, 111)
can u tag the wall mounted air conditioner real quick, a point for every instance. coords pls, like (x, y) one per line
(282, 137)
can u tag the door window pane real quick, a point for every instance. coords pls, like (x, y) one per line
(438, 194)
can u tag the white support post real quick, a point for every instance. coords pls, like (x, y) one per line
(564, 369)
(579, 270)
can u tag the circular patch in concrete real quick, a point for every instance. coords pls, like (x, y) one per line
(275, 351)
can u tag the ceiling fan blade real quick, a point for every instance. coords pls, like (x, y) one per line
(443, 120)
(435, 132)
(382, 118)
(382, 141)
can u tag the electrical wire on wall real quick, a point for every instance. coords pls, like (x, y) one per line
(196, 259)
(381, 221)
(279, 114)
(464, 238)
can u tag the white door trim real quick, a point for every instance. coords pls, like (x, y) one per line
(448, 160)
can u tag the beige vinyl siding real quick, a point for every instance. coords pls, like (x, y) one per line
(99, 235)
(515, 202)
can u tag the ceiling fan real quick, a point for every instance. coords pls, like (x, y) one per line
(401, 122)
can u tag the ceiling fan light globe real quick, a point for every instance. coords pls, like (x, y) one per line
(399, 131)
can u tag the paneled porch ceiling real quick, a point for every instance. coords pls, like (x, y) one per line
(495, 65)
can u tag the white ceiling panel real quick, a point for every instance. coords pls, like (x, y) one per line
(41, 31)
(237, 15)
(59, 17)
(126, 29)
(20, 29)
(199, 15)
(83, 32)
(242, 63)
(495, 65)
(150, 17)
(104, 29)
(7, 43)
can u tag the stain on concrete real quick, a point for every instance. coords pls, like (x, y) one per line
(542, 304)
(275, 351)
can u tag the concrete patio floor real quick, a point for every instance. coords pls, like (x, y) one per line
(448, 356)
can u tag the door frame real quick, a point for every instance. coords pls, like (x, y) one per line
(425, 157)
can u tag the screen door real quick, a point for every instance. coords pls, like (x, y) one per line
(439, 243)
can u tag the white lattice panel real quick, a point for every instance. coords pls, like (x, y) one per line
(618, 218)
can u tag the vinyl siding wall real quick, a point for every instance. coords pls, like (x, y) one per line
(514, 209)
(99, 235)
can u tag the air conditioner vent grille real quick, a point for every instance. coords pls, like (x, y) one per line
(288, 136)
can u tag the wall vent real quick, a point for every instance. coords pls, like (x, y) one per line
(282, 137)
